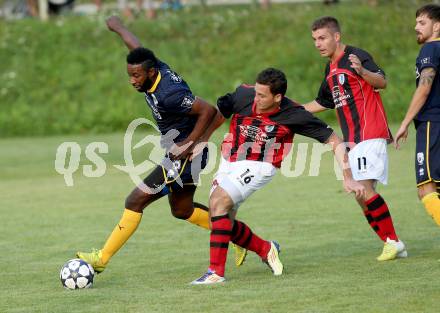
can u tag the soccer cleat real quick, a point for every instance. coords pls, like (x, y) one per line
(94, 259)
(240, 254)
(273, 260)
(209, 278)
(392, 250)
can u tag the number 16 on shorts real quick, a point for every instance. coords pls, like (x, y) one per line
(246, 177)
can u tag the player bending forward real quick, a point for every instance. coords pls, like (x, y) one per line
(263, 124)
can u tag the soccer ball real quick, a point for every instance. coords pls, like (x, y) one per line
(77, 274)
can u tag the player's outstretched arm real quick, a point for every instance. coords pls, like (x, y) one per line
(418, 100)
(216, 122)
(114, 24)
(350, 185)
(314, 107)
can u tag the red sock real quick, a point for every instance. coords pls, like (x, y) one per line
(219, 241)
(243, 236)
(372, 223)
(381, 215)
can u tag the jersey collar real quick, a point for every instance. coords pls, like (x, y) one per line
(158, 78)
(276, 110)
(339, 57)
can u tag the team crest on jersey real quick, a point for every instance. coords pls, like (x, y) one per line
(420, 158)
(269, 128)
(341, 79)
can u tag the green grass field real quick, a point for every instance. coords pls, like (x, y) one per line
(327, 247)
(75, 74)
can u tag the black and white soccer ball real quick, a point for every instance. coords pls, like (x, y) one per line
(77, 274)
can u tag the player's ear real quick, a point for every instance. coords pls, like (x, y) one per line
(436, 28)
(337, 36)
(278, 97)
(150, 72)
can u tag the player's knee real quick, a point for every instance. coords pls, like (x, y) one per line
(425, 189)
(420, 194)
(135, 202)
(181, 213)
(217, 205)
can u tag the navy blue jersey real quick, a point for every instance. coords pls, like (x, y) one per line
(429, 56)
(170, 100)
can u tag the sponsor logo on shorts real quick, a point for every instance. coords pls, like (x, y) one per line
(421, 172)
(420, 158)
(175, 169)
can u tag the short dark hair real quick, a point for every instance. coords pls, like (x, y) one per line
(275, 79)
(142, 56)
(430, 10)
(326, 21)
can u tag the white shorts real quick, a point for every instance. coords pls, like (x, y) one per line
(369, 160)
(240, 179)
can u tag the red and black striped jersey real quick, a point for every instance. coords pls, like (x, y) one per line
(358, 105)
(265, 137)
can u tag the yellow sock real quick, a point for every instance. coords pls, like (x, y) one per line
(125, 228)
(432, 205)
(200, 218)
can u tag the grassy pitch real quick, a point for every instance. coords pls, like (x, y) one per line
(327, 247)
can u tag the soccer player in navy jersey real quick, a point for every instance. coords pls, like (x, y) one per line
(424, 109)
(350, 86)
(263, 123)
(182, 119)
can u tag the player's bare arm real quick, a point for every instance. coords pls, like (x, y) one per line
(204, 113)
(216, 122)
(114, 24)
(376, 80)
(418, 100)
(314, 107)
(350, 185)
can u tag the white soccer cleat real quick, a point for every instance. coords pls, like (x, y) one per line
(273, 260)
(209, 278)
(393, 249)
(403, 253)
